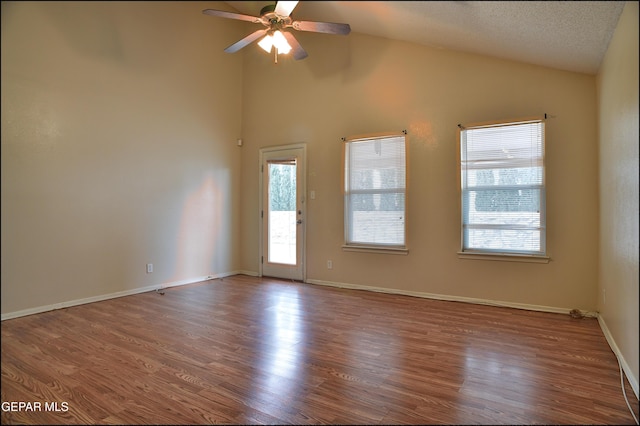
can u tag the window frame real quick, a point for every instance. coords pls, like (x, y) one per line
(373, 247)
(503, 254)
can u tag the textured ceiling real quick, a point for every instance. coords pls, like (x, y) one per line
(568, 35)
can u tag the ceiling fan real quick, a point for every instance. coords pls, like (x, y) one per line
(277, 18)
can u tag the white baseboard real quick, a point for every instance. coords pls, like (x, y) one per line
(250, 273)
(62, 305)
(449, 298)
(633, 381)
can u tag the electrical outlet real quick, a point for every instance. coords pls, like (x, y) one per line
(149, 268)
(329, 264)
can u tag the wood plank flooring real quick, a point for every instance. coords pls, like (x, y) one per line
(247, 350)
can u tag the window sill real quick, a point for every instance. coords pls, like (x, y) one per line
(376, 249)
(503, 257)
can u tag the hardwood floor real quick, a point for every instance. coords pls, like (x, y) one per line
(257, 350)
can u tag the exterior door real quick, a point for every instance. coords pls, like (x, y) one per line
(283, 206)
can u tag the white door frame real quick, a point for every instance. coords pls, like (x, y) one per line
(302, 202)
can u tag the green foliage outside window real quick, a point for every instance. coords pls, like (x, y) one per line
(282, 187)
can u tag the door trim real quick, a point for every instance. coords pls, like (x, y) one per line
(303, 200)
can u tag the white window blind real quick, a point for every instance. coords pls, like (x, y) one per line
(503, 188)
(375, 191)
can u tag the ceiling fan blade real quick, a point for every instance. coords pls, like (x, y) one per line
(245, 41)
(284, 8)
(321, 27)
(231, 15)
(298, 51)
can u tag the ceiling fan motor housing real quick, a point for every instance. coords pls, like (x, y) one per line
(275, 22)
(267, 9)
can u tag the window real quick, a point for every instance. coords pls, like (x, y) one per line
(503, 188)
(375, 193)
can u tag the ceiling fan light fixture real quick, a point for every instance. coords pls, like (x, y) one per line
(266, 43)
(281, 43)
(278, 40)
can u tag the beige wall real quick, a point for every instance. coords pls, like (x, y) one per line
(119, 122)
(618, 109)
(363, 84)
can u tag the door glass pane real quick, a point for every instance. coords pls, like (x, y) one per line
(282, 212)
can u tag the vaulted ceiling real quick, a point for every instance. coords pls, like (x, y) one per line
(567, 35)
